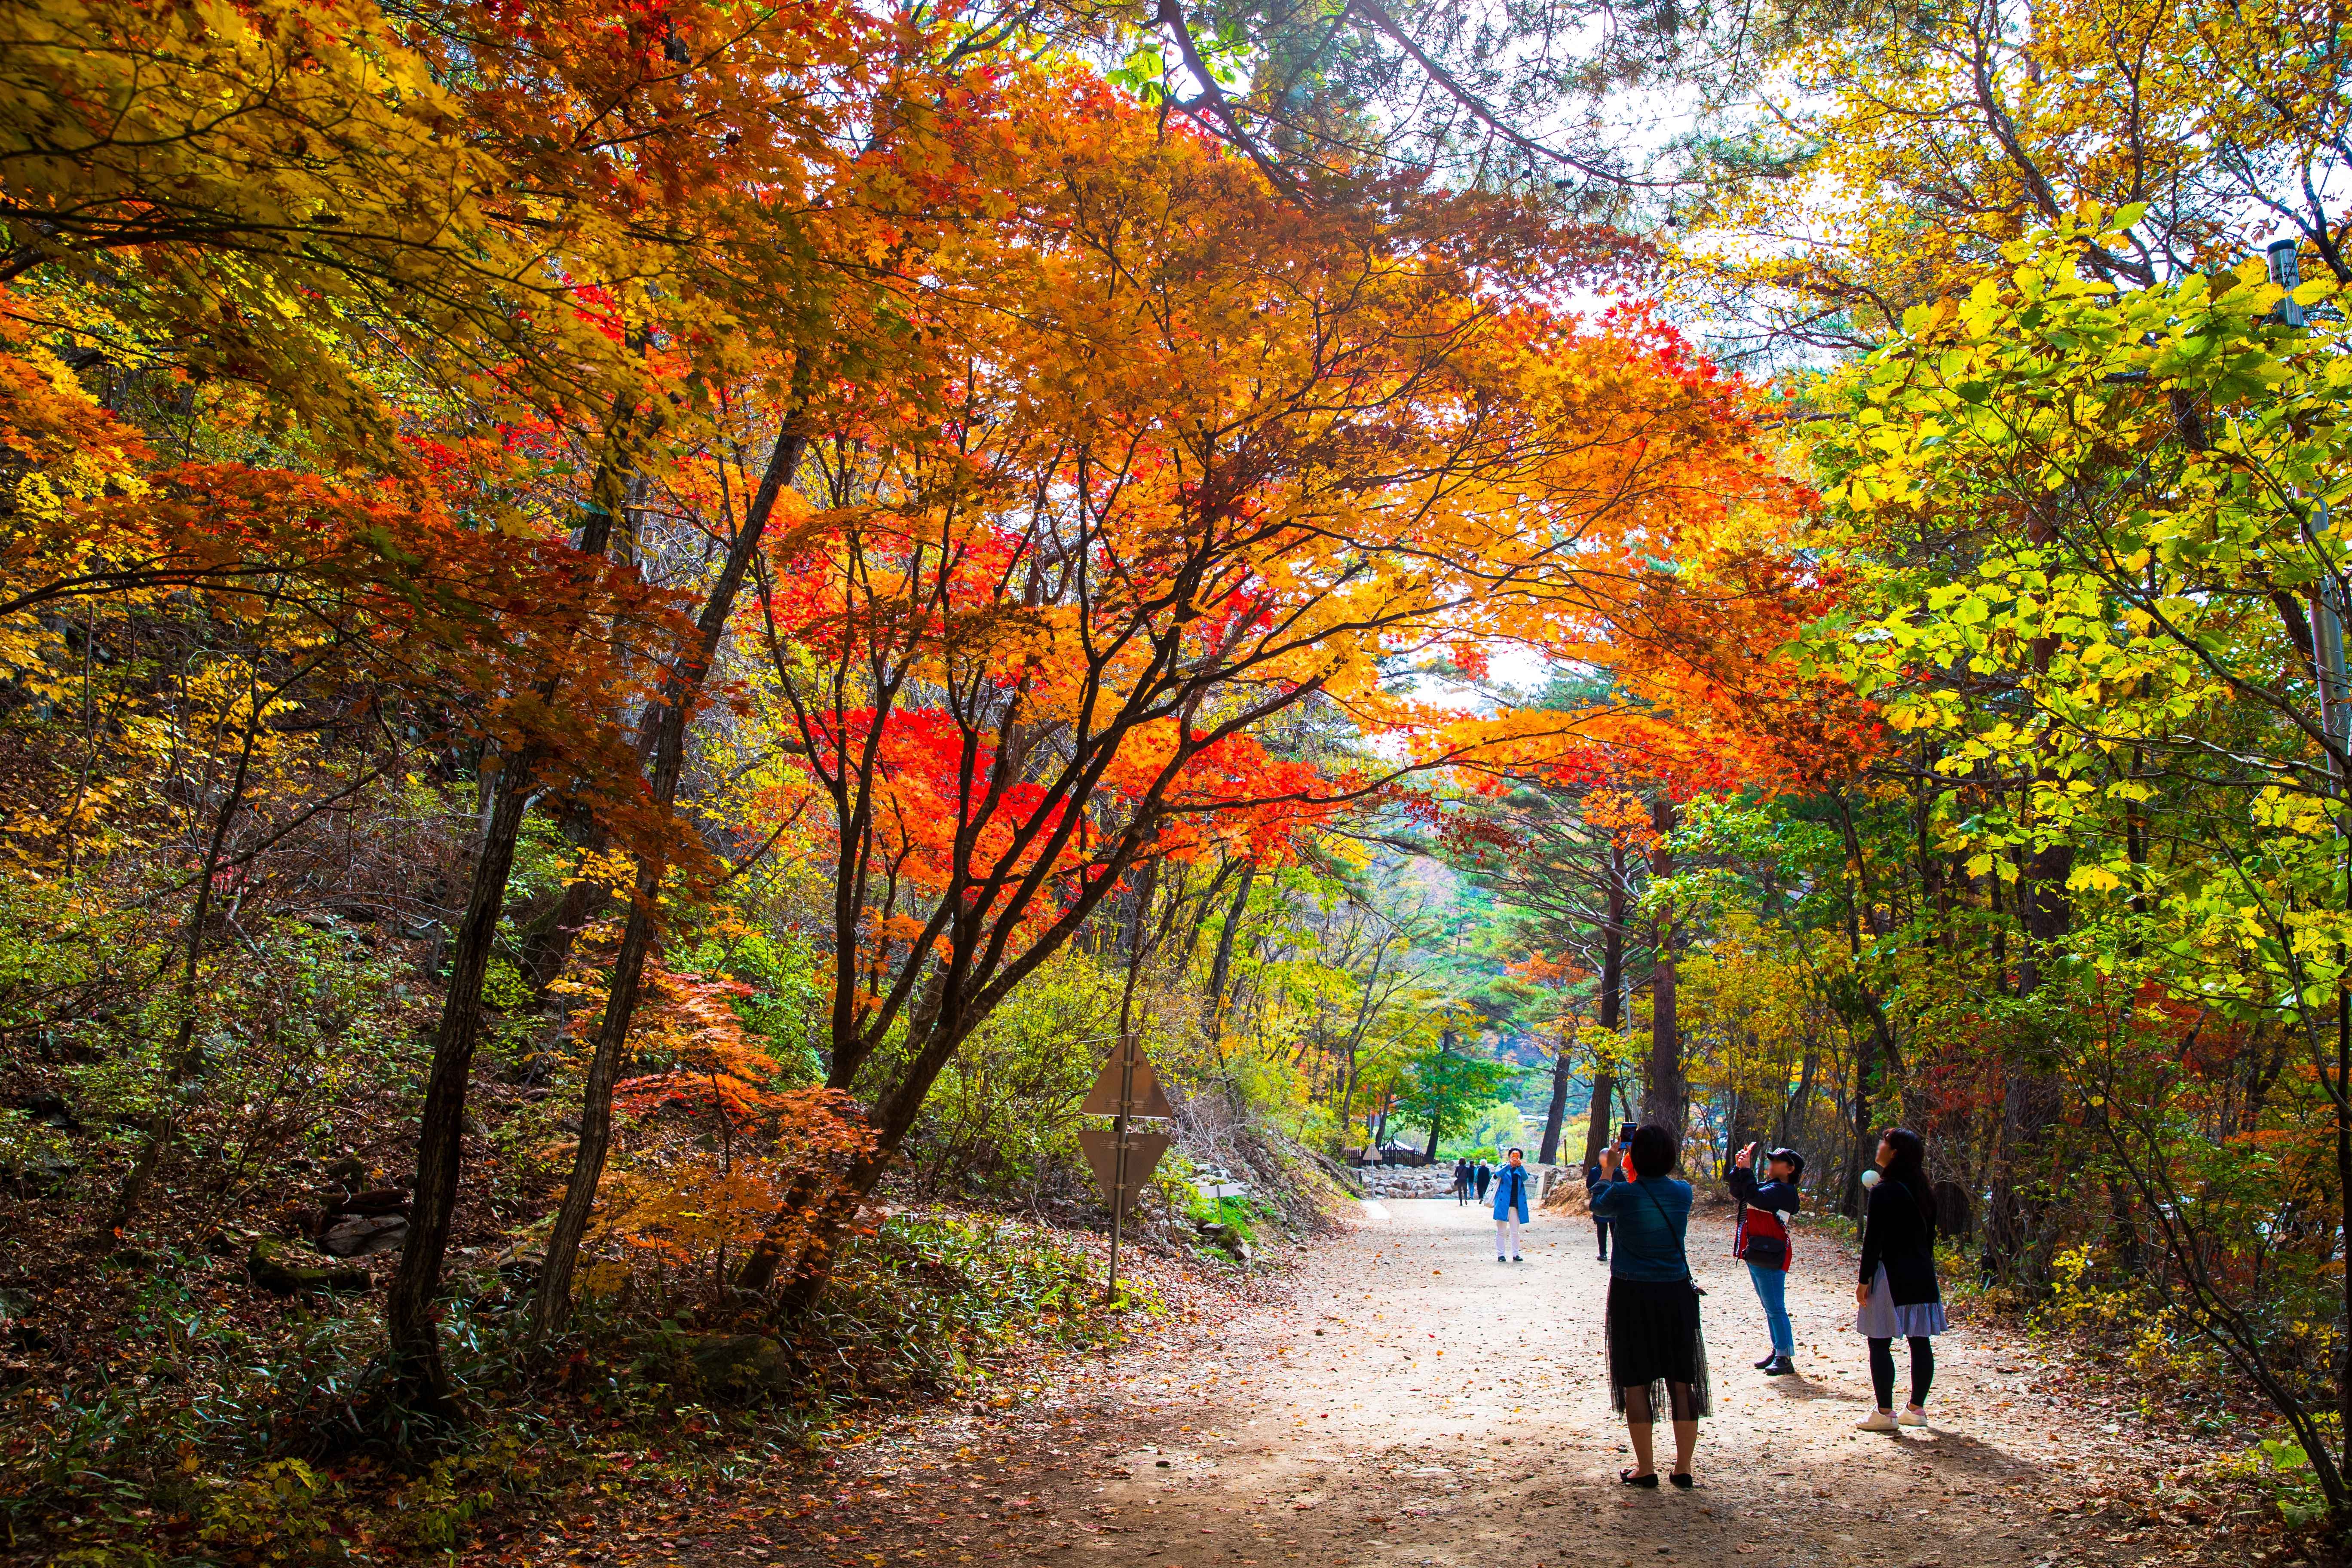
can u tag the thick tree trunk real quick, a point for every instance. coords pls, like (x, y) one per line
(1612, 1006)
(545, 949)
(1666, 1099)
(418, 1374)
(1803, 1096)
(1556, 1111)
(819, 1217)
(1879, 1048)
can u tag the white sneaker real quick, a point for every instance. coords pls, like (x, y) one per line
(1913, 1416)
(1876, 1421)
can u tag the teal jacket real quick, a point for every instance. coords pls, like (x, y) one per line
(1652, 1218)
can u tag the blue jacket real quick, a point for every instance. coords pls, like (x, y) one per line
(1652, 1217)
(1511, 1192)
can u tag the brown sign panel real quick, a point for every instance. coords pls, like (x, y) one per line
(1143, 1154)
(1150, 1099)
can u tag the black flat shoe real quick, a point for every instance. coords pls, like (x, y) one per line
(1766, 1364)
(1684, 1479)
(1781, 1366)
(1628, 1479)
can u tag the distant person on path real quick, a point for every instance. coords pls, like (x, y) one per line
(1485, 1177)
(1656, 1354)
(1762, 1242)
(1592, 1180)
(1460, 1181)
(1897, 1296)
(1510, 1205)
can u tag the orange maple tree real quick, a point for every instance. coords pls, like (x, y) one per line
(1205, 457)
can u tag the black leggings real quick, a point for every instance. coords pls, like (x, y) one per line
(1881, 1369)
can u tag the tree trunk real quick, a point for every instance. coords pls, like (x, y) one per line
(185, 1059)
(2341, 1096)
(1356, 1040)
(1880, 1045)
(1213, 1006)
(1613, 1007)
(415, 1344)
(1558, 1111)
(1805, 1095)
(552, 1304)
(1858, 1126)
(2024, 1184)
(1666, 1101)
(545, 950)
(1437, 1093)
(1735, 1131)
(419, 1375)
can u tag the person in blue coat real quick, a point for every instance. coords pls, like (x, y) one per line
(1510, 1204)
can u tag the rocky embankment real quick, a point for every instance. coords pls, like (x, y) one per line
(1424, 1181)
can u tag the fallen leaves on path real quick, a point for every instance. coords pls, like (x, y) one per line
(1311, 1424)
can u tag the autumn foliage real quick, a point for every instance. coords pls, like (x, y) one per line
(668, 570)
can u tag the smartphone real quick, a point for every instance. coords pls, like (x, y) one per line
(1625, 1136)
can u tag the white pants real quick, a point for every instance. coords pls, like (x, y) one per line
(1506, 1236)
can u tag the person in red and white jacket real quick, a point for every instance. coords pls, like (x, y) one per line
(1762, 1243)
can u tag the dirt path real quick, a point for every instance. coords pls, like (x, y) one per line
(1413, 1404)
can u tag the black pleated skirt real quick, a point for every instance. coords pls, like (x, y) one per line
(1654, 1338)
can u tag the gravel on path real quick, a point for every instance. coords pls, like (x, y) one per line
(1409, 1403)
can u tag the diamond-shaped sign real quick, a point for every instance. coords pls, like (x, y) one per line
(1143, 1154)
(1148, 1099)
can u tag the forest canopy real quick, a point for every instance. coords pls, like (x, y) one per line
(631, 632)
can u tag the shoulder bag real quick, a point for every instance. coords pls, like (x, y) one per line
(1762, 1251)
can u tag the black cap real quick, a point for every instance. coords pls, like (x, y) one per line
(1796, 1160)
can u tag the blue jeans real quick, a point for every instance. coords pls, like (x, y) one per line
(1772, 1290)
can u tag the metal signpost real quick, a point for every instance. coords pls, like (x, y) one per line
(1126, 1090)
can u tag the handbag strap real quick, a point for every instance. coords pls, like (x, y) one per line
(1679, 1244)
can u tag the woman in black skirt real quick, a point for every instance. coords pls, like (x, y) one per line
(1656, 1355)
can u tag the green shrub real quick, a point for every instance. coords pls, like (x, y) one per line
(928, 1302)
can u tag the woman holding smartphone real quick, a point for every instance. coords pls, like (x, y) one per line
(1656, 1355)
(1897, 1296)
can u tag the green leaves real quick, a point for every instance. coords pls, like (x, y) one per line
(2129, 487)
